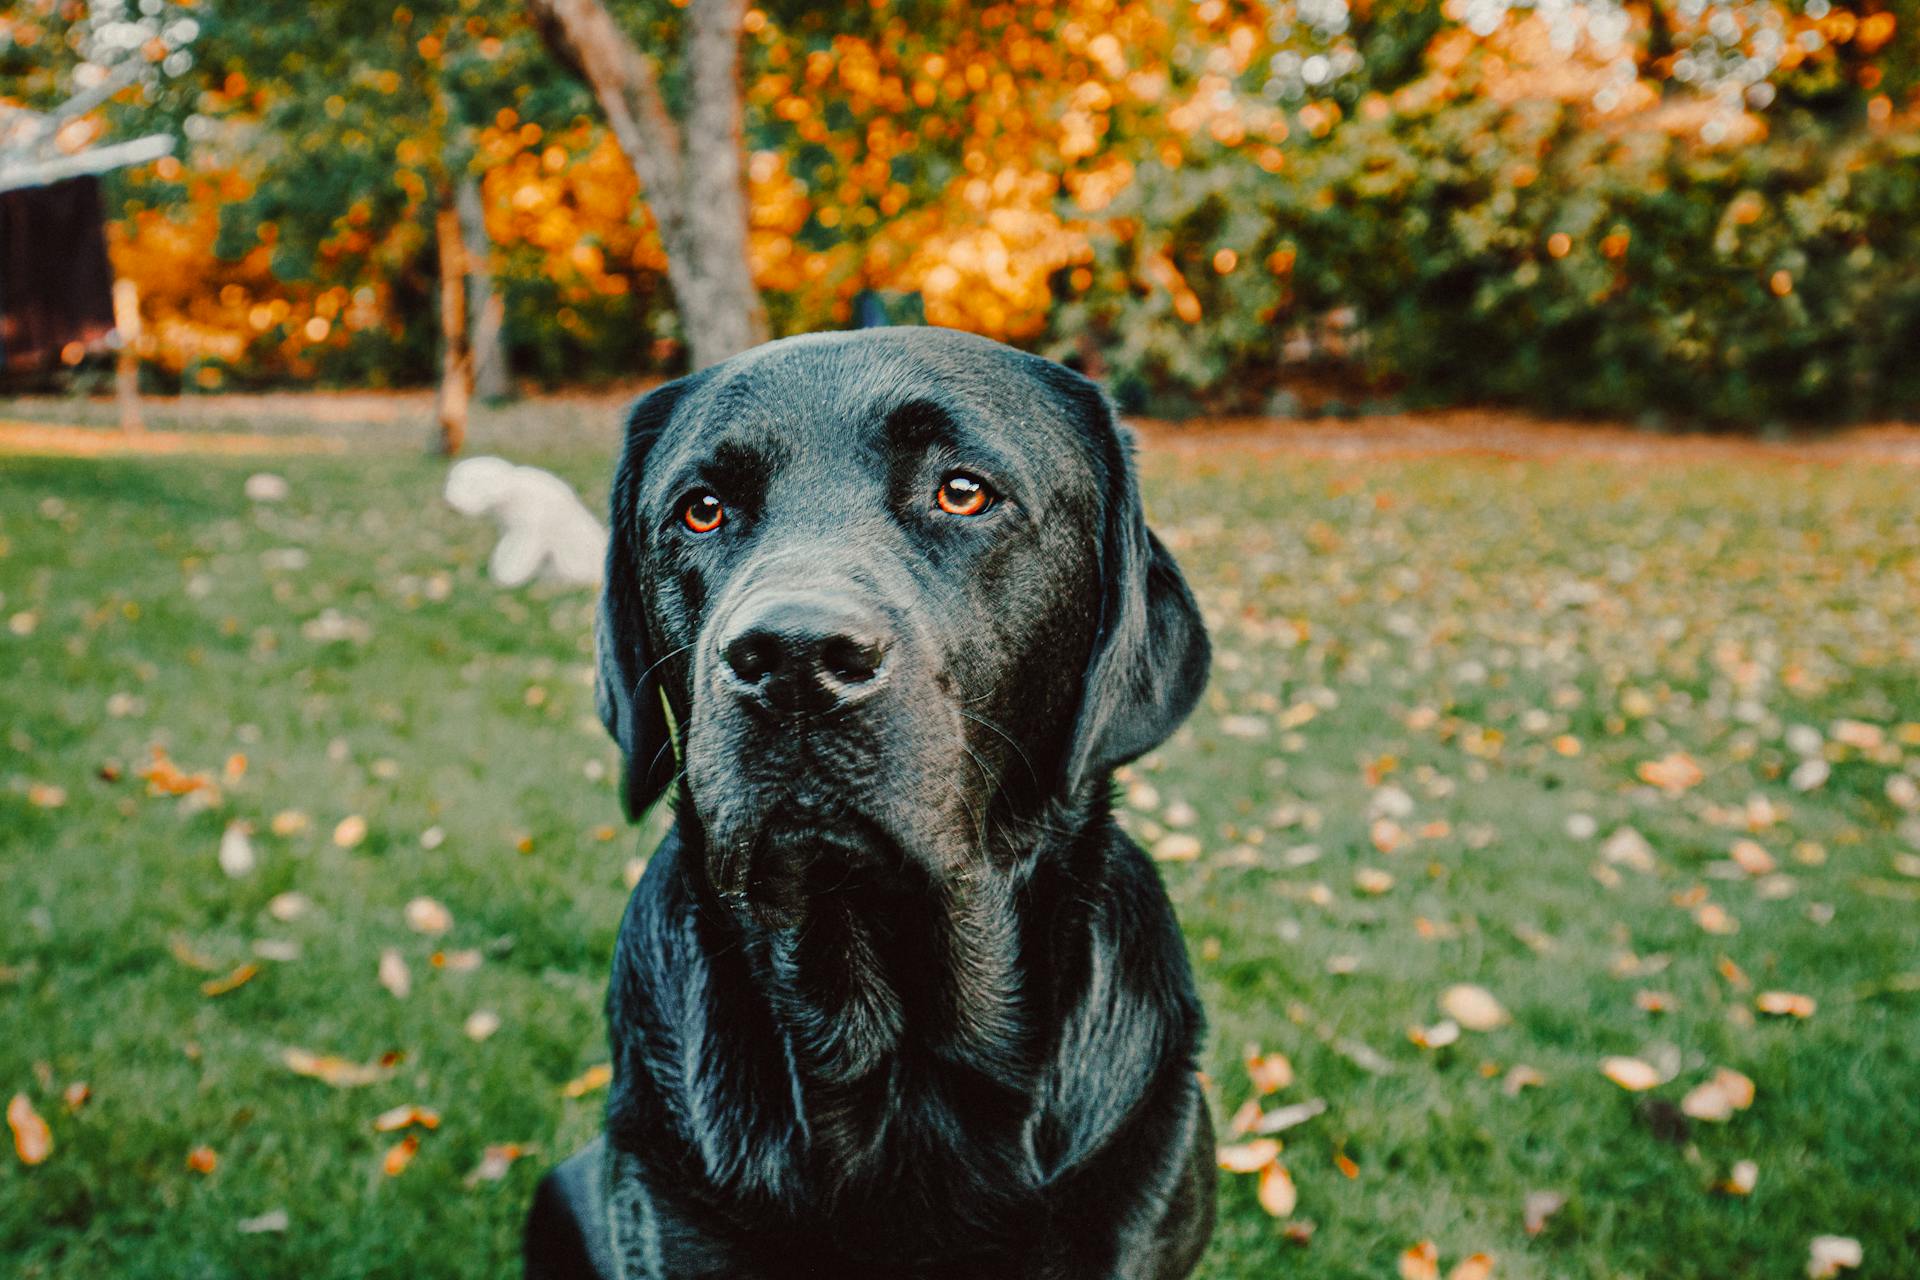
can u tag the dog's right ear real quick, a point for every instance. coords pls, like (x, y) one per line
(626, 688)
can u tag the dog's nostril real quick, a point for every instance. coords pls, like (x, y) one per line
(851, 660)
(754, 656)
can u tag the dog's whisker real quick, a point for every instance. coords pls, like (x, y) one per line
(1007, 737)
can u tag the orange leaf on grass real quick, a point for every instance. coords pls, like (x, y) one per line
(1672, 773)
(595, 1077)
(495, 1161)
(1538, 1207)
(328, 1069)
(400, 1155)
(1475, 1266)
(203, 1159)
(1248, 1157)
(1472, 1006)
(1270, 1072)
(1786, 1004)
(1716, 1099)
(1420, 1262)
(238, 978)
(404, 1116)
(1278, 1195)
(32, 1140)
(1630, 1074)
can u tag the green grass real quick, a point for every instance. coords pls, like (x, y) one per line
(1416, 605)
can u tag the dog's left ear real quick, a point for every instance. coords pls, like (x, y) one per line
(1151, 655)
(626, 687)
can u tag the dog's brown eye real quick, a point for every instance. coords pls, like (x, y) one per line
(964, 495)
(703, 513)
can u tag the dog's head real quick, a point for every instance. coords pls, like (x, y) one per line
(897, 590)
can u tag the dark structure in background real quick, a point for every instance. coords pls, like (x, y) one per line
(56, 285)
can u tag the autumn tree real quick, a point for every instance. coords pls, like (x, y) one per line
(359, 123)
(687, 154)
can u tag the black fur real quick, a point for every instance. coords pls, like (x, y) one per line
(896, 997)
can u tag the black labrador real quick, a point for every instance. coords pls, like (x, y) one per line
(895, 998)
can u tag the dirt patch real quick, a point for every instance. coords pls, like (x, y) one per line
(1514, 435)
(104, 442)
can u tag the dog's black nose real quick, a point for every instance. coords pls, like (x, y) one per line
(805, 653)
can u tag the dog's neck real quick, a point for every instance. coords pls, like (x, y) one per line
(868, 975)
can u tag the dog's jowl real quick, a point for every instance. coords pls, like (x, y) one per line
(896, 997)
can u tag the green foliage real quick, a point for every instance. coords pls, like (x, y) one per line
(1748, 285)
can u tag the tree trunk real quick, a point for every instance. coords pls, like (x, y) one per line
(126, 369)
(692, 184)
(486, 309)
(456, 357)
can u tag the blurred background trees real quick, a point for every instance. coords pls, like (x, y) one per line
(1668, 210)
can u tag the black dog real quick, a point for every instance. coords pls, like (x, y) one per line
(895, 998)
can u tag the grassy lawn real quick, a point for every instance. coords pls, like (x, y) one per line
(1437, 683)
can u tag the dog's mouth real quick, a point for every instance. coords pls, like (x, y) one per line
(795, 848)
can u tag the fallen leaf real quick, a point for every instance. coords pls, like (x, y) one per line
(1716, 1099)
(1372, 880)
(1810, 775)
(1741, 1178)
(495, 1161)
(1475, 1266)
(1628, 848)
(1521, 1076)
(1346, 1165)
(271, 1221)
(1248, 1157)
(1630, 1074)
(595, 1077)
(1713, 917)
(75, 1095)
(1177, 846)
(32, 1140)
(1672, 773)
(1473, 1007)
(350, 831)
(1785, 1004)
(1280, 1119)
(288, 822)
(400, 1155)
(1540, 1206)
(1270, 1072)
(394, 974)
(1827, 1255)
(428, 916)
(290, 906)
(480, 1024)
(328, 1069)
(1278, 1195)
(1752, 859)
(203, 1160)
(1438, 1036)
(238, 978)
(1653, 1001)
(405, 1116)
(236, 850)
(1420, 1262)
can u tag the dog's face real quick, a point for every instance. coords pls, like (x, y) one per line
(898, 593)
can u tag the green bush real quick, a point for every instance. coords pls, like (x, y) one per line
(1775, 281)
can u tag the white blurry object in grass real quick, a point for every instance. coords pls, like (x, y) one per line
(544, 527)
